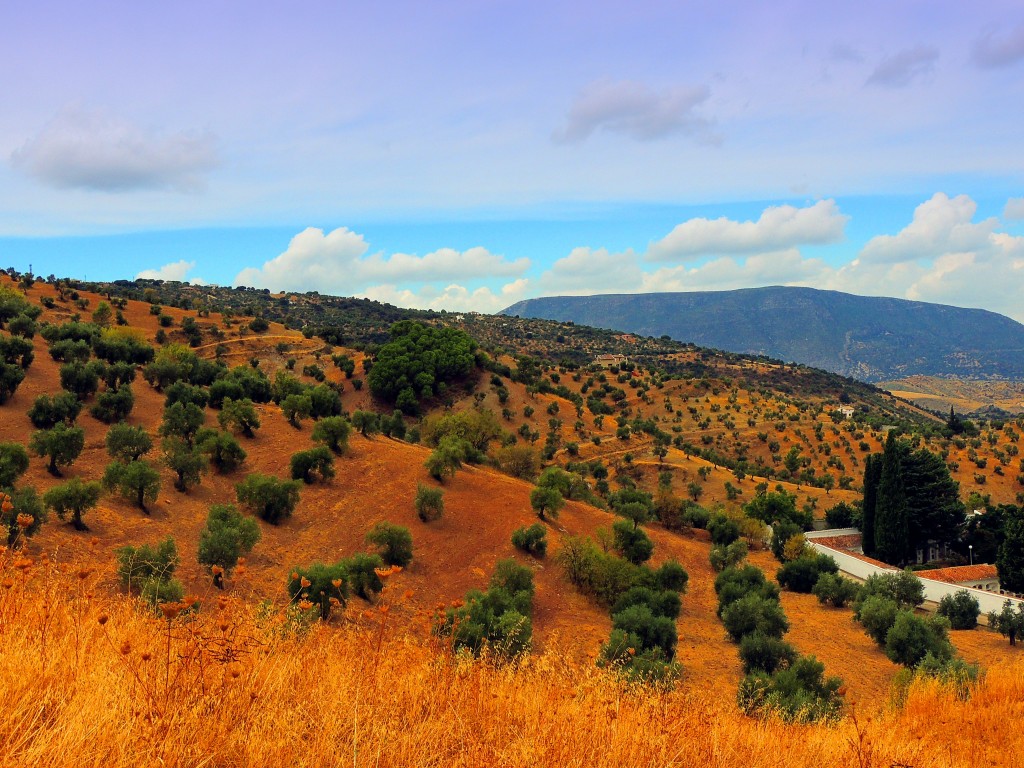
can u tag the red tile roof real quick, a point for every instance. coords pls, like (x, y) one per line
(961, 574)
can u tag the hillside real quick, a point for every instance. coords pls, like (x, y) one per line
(731, 422)
(868, 338)
(986, 398)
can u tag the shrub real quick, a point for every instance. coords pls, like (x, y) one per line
(429, 503)
(754, 613)
(631, 542)
(532, 540)
(325, 586)
(114, 405)
(727, 556)
(11, 377)
(81, 379)
(186, 461)
(798, 693)
(73, 498)
(267, 497)
(546, 501)
(395, 543)
(227, 536)
(832, 589)
(903, 588)
(307, 465)
(735, 583)
(520, 461)
(135, 480)
(333, 431)
(13, 463)
(296, 407)
(723, 530)
(762, 653)
(48, 411)
(961, 609)
(802, 574)
(15, 508)
(239, 414)
(877, 614)
(782, 532)
(842, 515)
(136, 565)
(221, 448)
(696, 516)
(911, 638)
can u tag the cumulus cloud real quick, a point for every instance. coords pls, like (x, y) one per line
(901, 69)
(779, 227)
(940, 225)
(90, 149)
(636, 111)
(991, 51)
(1014, 210)
(337, 262)
(453, 297)
(590, 270)
(173, 271)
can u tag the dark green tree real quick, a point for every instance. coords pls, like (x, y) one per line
(312, 463)
(429, 503)
(183, 421)
(267, 497)
(239, 414)
(61, 443)
(228, 535)
(546, 501)
(892, 537)
(73, 498)
(872, 477)
(136, 481)
(187, 462)
(333, 431)
(127, 443)
(13, 463)
(48, 411)
(394, 541)
(222, 449)
(1010, 560)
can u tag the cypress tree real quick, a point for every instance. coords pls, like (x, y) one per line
(1010, 560)
(872, 475)
(891, 524)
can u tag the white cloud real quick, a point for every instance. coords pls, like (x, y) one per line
(174, 271)
(901, 69)
(1014, 210)
(90, 149)
(778, 228)
(587, 270)
(940, 225)
(336, 262)
(634, 110)
(454, 297)
(991, 52)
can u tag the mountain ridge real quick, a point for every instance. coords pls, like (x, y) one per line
(869, 338)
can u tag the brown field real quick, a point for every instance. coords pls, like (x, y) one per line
(297, 696)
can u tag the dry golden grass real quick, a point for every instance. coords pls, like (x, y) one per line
(98, 681)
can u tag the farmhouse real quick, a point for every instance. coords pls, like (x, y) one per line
(607, 361)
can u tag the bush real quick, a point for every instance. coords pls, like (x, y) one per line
(842, 515)
(723, 557)
(903, 588)
(723, 530)
(911, 638)
(15, 507)
(532, 540)
(333, 431)
(136, 565)
(228, 535)
(631, 542)
(307, 465)
(877, 614)
(782, 532)
(546, 501)
(222, 449)
(429, 503)
(267, 497)
(113, 405)
(61, 443)
(761, 653)
(961, 609)
(239, 414)
(832, 589)
(735, 583)
(395, 543)
(754, 613)
(186, 461)
(325, 586)
(73, 498)
(696, 516)
(520, 461)
(802, 574)
(127, 443)
(798, 693)
(48, 411)
(135, 480)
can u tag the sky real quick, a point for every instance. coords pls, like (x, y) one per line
(467, 155)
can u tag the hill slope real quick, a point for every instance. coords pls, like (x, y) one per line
(869, 338)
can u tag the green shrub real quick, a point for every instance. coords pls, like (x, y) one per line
(762, 653)
(754, 613)
(309, 464)
(727, 556)
(395, 542)
(912, 637)
(723, 530)
(532, 539)
(227, 536)
(802, 574)
(832, 589)
(267, 497)
(961, 609)
(429, 503)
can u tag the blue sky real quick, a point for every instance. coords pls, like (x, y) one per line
(469, 154)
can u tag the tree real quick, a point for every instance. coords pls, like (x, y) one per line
(113, 405)
(81, 379)
(147, 565)
(754, 613)
(186, 461)
(832, 589)
(760, 652)
(183, 421)
(1010, 560)
(727, 555)
(222, 449)
(446, 459)
(324, 586)
(333, 431)
(912, 637)
(48, 411)
(367, 422)
(127, 443)
(801, 574)
(11, 377)
(1008, 622)
(267, 497)
(395, 543)
(872, 477)
(631, 542)
(961, 609)
(239, 414)
(21, 513)
(892, 542)
(429, 503)
(136, 481)
(305, 465)
(877, 614)
(546, 501)
(13, 463)
(73, 498)
(62, 444)
(296, 407)
(724, 530)
(228, 535)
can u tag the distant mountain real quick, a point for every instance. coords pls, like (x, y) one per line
(868, 338)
